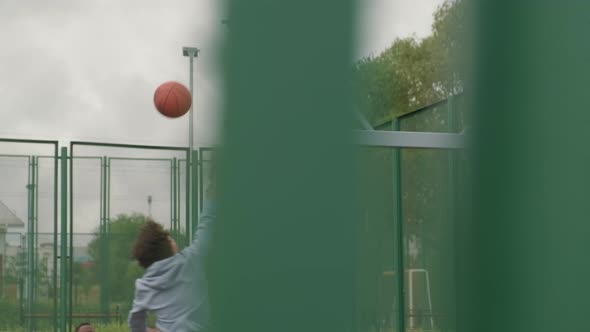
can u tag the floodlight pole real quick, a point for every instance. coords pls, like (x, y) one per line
(149, 200)
(192, 53)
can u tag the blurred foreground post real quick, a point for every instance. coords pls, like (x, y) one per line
(529, 249)
(284, 251)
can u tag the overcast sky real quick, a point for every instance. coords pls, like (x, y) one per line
(87, 70)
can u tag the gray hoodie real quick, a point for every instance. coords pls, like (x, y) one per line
(175, 288)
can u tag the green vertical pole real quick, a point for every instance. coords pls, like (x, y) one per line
(21, 279)
(178, 186)
(194, 188)
(101, 233)
(188, 189)
(171, 195)
(36, 285)
(399, 232)
(190, 194)
(64, 240)
(55, 230)
(69, 259)
(71, 237)
(101, 204)
(174, 196)
(451, 207)
(30, 245)
(108, 235)
(201, 178)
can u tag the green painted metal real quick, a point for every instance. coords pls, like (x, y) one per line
(107, 234)
(178, 186)
(29, 257)
(201, 176)
(71, 236)
(147, 147)
(30, 244)
(191, 164)
(175, 196)
(18, 140)
(54, 276)
(399, 232)
(101, 235)
(22, 279)
(172, 196)
(104, 228)
(286, 245)
(35, 234)
(529, 245)
(452, 199)
(187, 195)
(55, 230)
(195, 207)
(64, 239)
(129, 146)
(203, 151)
(104, 236)
(108, 200)
(140, 159)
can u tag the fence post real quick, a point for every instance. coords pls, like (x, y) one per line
(64, 240)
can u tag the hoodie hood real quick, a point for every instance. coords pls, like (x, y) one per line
(163, 274)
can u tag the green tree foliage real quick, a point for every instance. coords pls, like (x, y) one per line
(413, 73)
(14, 269)
(121, 269)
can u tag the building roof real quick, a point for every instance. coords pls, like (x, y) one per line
(9, 218)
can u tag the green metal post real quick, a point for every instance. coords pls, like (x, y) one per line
(175, 197)
(30, 245)
(188, 197)
(194, 199)
(190, 160)
(55, 230)
(201, 176)
(64, 240)
(399, 231)
(65, 256)
(452, 202)
(171, 196)
(103, 232)
(178, 169)
(21, 279)
(35, 233)
(107, 235)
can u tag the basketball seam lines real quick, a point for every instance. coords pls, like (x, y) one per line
(167, 95)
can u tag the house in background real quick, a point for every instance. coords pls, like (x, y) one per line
(8, 219)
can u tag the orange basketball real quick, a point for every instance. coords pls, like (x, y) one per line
(172, 99)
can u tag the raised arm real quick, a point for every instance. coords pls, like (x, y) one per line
(202, 239)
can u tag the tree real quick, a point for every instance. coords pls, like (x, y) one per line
(118, 245)
(413, 73)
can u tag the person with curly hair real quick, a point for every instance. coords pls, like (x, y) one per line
(174, 286)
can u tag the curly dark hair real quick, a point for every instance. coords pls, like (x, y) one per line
(152, 245)
(83, 324)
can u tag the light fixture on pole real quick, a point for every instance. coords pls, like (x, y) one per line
(149, 200)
